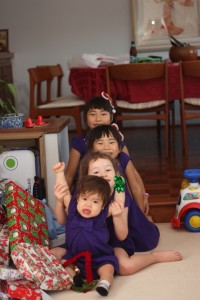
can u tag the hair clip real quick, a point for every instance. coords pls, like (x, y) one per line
(107, 97)
(117, 128)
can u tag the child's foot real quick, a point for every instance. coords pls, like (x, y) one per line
(103, 287)
(166, 255)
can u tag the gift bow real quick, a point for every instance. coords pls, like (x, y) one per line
(119, 183)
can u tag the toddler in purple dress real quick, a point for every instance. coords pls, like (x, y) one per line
(86, 228)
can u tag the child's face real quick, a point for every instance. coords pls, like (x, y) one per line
(89, 205)
(103, 168)
(107, 144)
(96, 117)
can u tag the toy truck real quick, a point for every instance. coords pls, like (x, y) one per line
(188, 205)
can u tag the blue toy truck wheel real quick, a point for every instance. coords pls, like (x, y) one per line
(192, 220)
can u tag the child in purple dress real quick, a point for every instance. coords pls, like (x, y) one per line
(86, 228)
(143, 235)
(99, 111)
(108, 139)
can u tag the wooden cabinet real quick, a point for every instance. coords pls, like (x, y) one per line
(50, 140)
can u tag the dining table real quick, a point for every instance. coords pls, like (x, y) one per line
(87, 82)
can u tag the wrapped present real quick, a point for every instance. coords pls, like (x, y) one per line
(4, 296)
(4, 245)
(9, 273)
(21, 289)
(2, 215)
(36, 263)
(26, 217)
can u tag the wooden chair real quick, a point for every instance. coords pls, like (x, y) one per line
(43, 81)
(140, 76)
(190, 96)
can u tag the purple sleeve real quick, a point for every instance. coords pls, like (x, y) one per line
(79, 144)
(123, 161)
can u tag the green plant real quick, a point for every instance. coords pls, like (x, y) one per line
(9, 92)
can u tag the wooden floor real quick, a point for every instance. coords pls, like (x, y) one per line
(162, 177)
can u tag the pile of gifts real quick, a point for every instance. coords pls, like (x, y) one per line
(27, 267)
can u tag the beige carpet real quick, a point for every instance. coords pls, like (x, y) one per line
(165, 281)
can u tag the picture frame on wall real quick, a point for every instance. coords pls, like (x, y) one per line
(153, 21)
(3, 40)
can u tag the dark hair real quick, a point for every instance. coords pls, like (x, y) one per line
(101, 131)
(94, 184)
(93, 156)
(97, 103)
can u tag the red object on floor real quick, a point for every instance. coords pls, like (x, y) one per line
(88, 264)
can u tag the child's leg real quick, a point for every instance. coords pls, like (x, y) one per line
(58, 252)
(106, 274)
(130, 265)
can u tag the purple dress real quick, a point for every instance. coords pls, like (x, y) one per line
(80, 144)
(143, 235)
(91, 235)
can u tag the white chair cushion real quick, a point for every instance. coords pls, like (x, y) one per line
(141, 105)
(192, 101)
(67, 101)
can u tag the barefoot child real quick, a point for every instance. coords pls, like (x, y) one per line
(142, 236)
(86, 228)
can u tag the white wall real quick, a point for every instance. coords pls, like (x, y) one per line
(52, 31)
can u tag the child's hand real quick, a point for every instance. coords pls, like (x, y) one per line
(119, 197)
(62, 194)
(59, 167)
(116, 208)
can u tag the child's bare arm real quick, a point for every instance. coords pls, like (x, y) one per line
(62, 196)
(118, 210)
(59, 172)
(135, 184)
(120, 215)
(61, 192)
(125, 150)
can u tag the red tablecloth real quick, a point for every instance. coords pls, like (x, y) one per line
(89, 82)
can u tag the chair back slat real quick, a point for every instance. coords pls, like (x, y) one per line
(130, 86)
(46, 96)
(190, 96)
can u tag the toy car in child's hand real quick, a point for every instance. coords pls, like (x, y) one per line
(188, 205)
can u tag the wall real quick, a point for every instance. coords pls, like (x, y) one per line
(50, 32)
